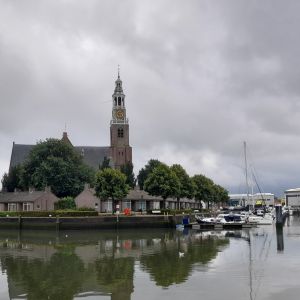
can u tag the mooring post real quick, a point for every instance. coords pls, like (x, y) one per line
(57, 223)
(20, 222)
(278, 211)
(279, 235)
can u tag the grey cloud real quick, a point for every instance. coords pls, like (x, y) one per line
(200, 78)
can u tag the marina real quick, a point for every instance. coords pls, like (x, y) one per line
(152, 263)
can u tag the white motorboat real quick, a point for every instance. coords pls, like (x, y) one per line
(267, 219)
(229, 219)
(203, 220)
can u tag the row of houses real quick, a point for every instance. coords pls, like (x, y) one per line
(136, 200)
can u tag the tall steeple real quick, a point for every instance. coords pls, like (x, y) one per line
(121, 152)
(118, 100)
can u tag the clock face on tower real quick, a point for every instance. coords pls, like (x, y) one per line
(120, 114)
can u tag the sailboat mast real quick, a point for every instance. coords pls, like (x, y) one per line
(246, 171)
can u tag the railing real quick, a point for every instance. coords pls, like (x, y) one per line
(125, 121)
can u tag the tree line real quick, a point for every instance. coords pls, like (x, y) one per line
(56, 164)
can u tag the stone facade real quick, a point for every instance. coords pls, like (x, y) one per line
(88, 199)
(120, 150)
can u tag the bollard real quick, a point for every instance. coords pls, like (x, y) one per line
(278, 214)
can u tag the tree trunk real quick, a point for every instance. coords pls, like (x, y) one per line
(178, 203)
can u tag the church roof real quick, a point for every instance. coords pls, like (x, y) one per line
(19, 153)
(92, 156)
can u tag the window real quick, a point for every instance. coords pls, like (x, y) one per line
(12, 207)
(126, 204)
(120, 132)
(109, 205)
(141, 205)
(115, 101)
(27, 207)
(119, 101)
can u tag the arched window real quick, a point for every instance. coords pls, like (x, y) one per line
(119, 101)
(120, 132)
(115, 101)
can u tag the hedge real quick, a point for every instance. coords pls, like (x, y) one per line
(53, 213)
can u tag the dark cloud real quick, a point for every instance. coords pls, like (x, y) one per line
(200, 78)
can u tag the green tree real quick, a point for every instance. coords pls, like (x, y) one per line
(127, 170)
(186, 187)
(144, 172)
(162, 181)
(203, 188)
(65, 203)
(221, 194)
(13, 180)
(55, 163)
(111, 183)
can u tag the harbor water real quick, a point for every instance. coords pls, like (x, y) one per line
(257, 264)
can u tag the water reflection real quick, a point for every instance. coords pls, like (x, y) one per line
(147, 264)
(46, 265)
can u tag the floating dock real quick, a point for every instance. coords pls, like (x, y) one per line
(221, 226)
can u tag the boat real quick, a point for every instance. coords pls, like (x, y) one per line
(205, 220)
(230, 219)
(266, 219)
(222, 219)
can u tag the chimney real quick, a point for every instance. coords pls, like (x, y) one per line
(66, 139)
(47, 189)
(31, 189)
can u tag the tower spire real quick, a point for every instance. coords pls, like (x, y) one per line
(118, 71)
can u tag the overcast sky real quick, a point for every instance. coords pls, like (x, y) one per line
(200, 77)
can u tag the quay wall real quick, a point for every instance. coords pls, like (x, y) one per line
(99, 222)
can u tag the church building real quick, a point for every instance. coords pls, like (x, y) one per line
(119, 152)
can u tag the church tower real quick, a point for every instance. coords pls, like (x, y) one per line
(120, 151)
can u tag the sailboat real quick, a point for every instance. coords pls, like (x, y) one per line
(265, 218)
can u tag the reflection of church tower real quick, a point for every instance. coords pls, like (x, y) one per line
(121, 152)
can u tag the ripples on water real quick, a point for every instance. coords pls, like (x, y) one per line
(260, 263)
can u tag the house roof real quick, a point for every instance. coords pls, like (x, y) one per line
(137, 194)
(92, 156)
(21, 196)
(293, 190)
